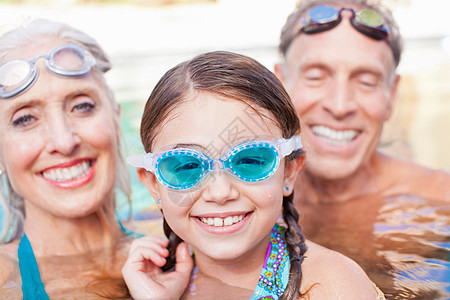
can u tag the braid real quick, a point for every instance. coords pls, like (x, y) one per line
(174, 241)
(295, 242)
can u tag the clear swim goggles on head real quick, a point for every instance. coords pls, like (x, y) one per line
(66, 60)
(323, 17)
(182, 168)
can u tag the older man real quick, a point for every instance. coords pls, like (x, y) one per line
(339, 67)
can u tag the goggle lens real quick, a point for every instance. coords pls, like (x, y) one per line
(181, 171)
(13, 73)
(323, 14)
(369, 17)
(68, 59)
(254, 164)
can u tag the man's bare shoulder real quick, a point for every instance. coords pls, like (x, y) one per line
(427, 183)
(328, 274)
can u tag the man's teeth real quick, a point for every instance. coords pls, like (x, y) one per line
(337, 137)
(70, 173)
(220, 222)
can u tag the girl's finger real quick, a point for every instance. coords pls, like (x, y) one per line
(142, 255)
(149, 241)
(184, 263)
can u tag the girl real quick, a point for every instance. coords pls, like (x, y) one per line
(223, 153)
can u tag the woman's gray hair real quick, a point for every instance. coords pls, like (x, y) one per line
(21, 37)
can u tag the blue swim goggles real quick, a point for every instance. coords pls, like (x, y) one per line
(68, 60)
(181, 168)
(324, 17)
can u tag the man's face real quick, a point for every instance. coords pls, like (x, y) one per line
(342, 84)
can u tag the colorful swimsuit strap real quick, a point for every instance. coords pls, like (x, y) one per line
(275, 272)
(32, 285)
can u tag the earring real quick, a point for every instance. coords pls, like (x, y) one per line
(159, 201)
(287, 188)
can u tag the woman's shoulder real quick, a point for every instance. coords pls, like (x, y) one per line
(329, 274)
(8, 260)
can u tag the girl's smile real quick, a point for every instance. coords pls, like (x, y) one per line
(223, 225)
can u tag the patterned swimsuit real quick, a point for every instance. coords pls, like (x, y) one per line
(275, 272)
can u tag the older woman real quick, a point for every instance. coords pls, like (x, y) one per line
(60, 162)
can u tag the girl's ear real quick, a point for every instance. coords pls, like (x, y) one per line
(148, 179)
(291, 170)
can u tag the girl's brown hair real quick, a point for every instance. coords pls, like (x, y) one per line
(240, 78)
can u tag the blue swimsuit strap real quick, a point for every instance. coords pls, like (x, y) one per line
(130, 233)
(32, 285)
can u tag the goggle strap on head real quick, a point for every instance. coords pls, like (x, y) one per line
(290, 145)
(142, 161)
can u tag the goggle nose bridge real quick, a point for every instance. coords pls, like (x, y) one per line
(34, 60)
(216, 164)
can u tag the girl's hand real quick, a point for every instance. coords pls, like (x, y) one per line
(142, 270)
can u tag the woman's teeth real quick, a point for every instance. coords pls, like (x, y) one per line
(337, 137)
(220, 222)
(67, 174)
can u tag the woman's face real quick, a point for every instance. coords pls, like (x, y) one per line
(58, 140)
(223, 217)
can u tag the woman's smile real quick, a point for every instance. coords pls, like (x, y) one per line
(70, 175)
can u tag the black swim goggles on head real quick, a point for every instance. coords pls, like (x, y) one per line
(66, 60)
(184, 168)
(323, 17)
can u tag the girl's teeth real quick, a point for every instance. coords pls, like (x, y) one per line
(228, 221)
(220, 222)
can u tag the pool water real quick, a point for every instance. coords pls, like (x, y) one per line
(402, 242)
(143, 205)
(413, 235)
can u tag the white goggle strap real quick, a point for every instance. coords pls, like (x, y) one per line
(290, 145)
(146, 161)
